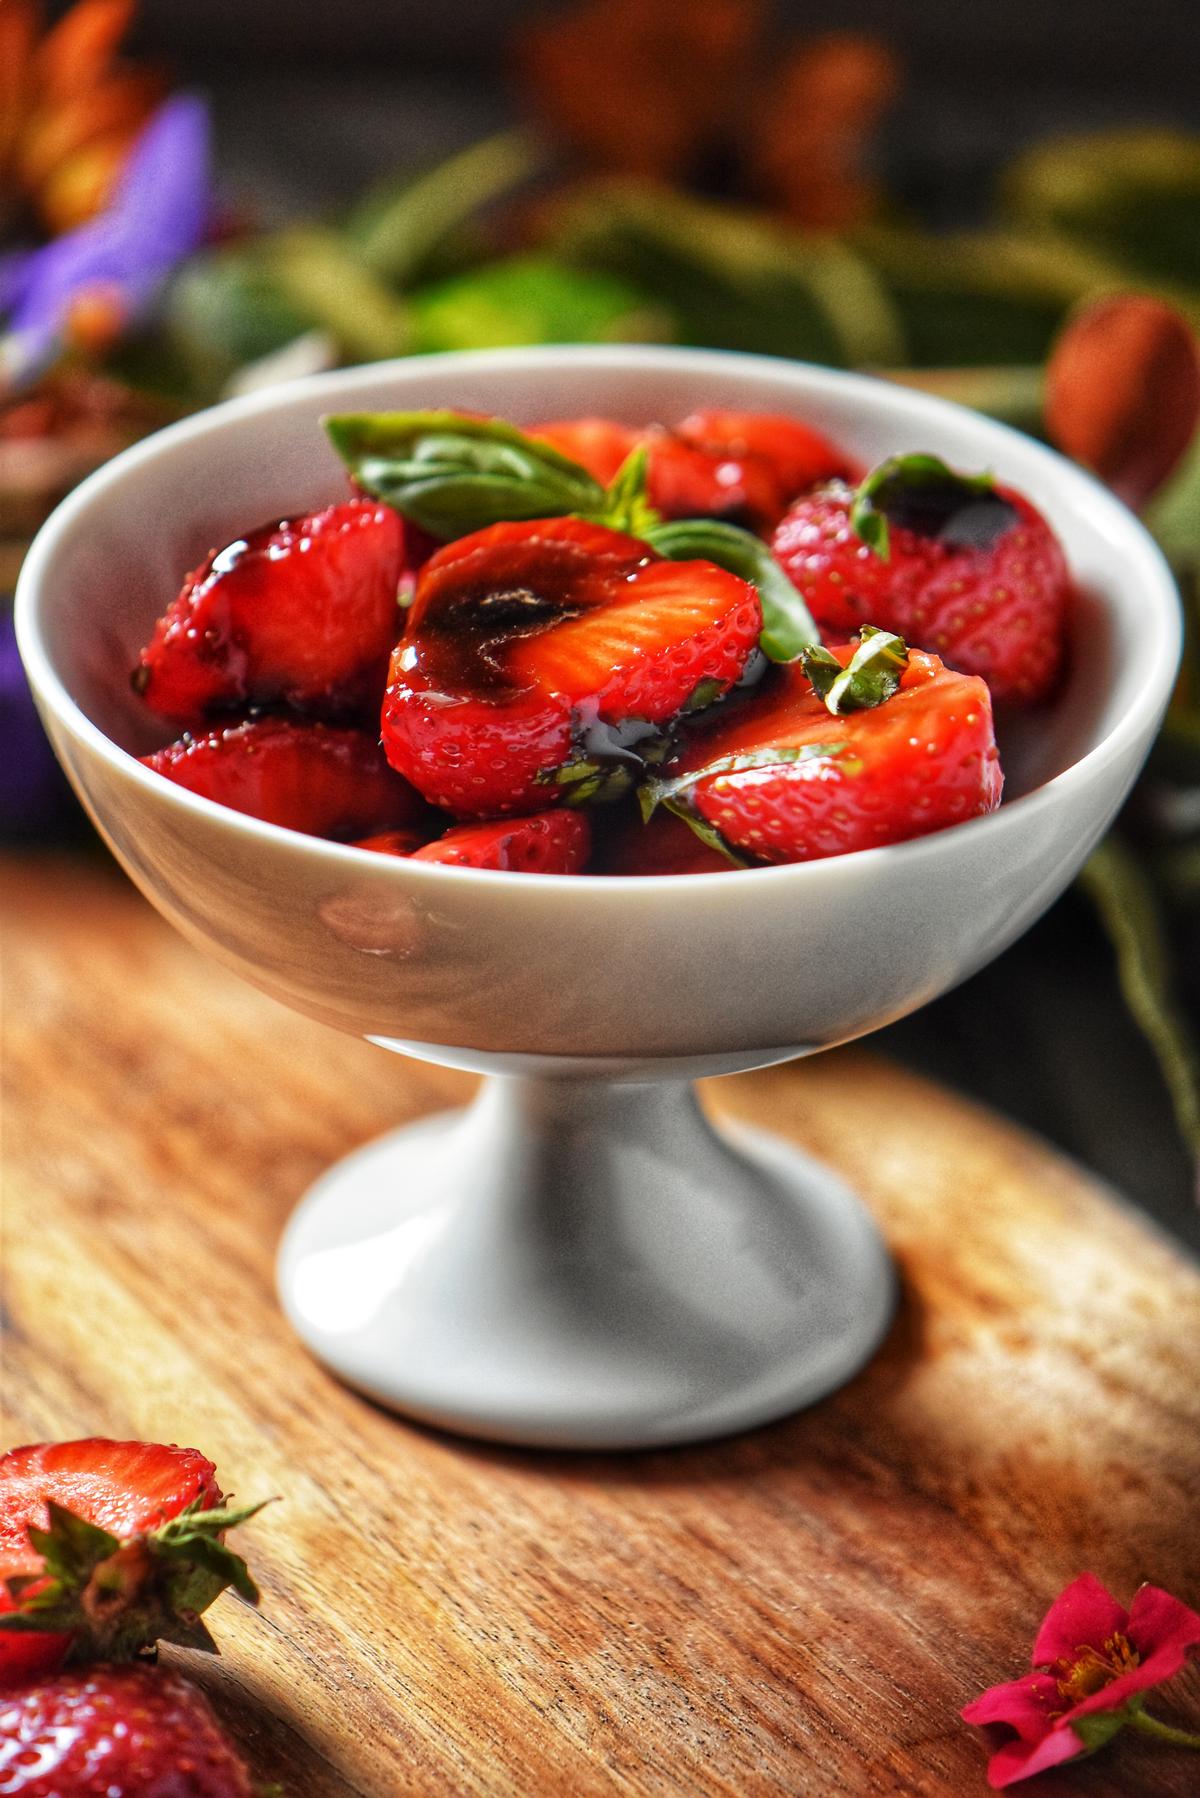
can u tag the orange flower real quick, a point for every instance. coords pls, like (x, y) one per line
(69, 110)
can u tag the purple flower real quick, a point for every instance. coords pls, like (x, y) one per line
(157, 216)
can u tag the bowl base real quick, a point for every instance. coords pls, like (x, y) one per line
(578, 1264)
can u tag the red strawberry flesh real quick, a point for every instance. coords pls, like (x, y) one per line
(303, 611)
(527, 641)
(310, 777)
(116, 1732)
(126, 1488)
(921, 761)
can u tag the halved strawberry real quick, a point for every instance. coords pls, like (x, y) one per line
(954, 563)
(598, 444)
(303, 612)
(664, 844)
(106, 1546)
(545, 661)
(743, 467)
(546, 843)
(782, 780)
(310, 777)
(798, 456)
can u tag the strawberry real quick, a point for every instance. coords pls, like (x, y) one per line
(783, 780)
(109, 1546)
(662, 845)
(546, 660)
(303, 611)
(954, 563)
(310, 777)
(740, 466)
(116, 1732)
(798, 457)
(598, 444)
(546, 843)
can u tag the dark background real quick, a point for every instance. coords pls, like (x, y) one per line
(313, 102)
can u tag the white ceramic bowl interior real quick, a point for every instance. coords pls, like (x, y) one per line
(565, 975)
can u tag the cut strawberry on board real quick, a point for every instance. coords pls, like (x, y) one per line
(302, 612)
(117, 1732)
(787, 779)
(954, 563)
(547, 660)
(312, 777)
(545, 843)
(106, 1547)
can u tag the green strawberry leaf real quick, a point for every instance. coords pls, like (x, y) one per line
(71, 1546)
(788, 626)
(452, 474)
(921, 493)
(871, 676)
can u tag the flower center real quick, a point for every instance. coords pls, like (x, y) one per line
(1094, 1668)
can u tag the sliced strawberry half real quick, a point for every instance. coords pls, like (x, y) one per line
(546, 660)
(316, 778)
(545, 843)
(798, 457)
(784, 781)
(301, 612)
(598, 444)
(105, 1547)
(663, 844)
(955, 564)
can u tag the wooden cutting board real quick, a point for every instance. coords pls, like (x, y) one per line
(800, 1610)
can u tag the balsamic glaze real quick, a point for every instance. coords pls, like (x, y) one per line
(949, 513)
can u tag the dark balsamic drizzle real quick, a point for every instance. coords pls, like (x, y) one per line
(950, 514)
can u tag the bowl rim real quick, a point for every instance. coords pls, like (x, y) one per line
(1162, 603)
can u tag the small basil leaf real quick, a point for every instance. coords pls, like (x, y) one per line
(626, 507)
(452, 474)
(662, 789)
(871, 676)
(922, 494)
(788, 625)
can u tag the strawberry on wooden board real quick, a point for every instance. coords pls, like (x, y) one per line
(116, 1732)
(785, 779)
(105, 1547)
(544, 843)
(312, 777)
(301, 612)
(954, 563)
(545, 660)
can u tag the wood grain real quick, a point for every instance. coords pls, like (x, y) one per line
(801, 1610)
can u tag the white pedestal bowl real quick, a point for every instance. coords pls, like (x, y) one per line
(579, 1259)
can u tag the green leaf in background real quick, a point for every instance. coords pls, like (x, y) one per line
(788, 626)
(735, 279)
(532, 300)
(1125, 898)
(1130, 195)
(870, 678)
(399, 230)
(452, 474)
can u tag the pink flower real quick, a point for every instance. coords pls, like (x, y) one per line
(1092, 1662)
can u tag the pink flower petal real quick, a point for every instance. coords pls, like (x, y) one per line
(1083, 1616)
(1157, 1621)
(1023, 1704)
(1021, 1760)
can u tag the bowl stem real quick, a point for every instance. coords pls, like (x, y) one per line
(585, 1264)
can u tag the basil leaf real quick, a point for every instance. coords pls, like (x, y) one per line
(661, 789)
(922, 494)
(626, 507)
(788, 626)
(870, 677)
(453, 474)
